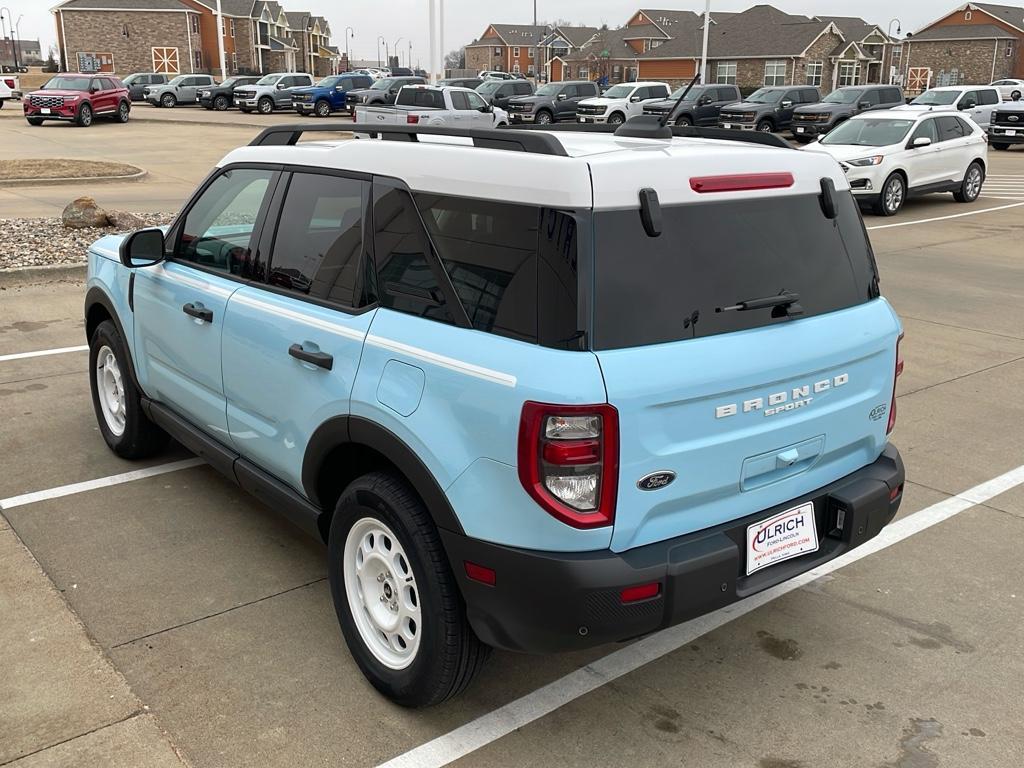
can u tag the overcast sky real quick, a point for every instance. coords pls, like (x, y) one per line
(466, 19)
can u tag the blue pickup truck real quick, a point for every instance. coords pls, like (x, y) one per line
(328, 95)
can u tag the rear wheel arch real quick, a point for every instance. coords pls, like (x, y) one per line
(345, 448)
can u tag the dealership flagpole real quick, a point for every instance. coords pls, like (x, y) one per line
(433, 43)
(704, 47)
(220, 42)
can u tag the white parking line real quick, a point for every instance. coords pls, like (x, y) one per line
(519, 713)
(943, 218)
(102, 482)
(42, 353)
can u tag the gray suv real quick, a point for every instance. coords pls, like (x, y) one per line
(184, 89)
(813, 120)
(498, 92)
(768, 109)
(551, 102)
(137, 82)
(701, 107)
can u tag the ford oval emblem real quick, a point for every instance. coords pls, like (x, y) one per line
(655, 480)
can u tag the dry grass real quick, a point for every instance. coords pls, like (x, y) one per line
(58, 168)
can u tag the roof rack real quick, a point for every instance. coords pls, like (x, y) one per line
(534, 143)
(682, 131)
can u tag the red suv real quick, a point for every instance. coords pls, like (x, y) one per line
(78, 98)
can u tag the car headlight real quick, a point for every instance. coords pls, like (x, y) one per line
(865, 161)
(205, 94)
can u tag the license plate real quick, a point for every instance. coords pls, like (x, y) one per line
(45, 110)
(788, 534)
(799, 130)
(1011, 131)
(585, 120)
(727, 125)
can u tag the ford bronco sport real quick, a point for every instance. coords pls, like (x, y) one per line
(534, 417)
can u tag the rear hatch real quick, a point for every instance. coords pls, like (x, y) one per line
(749, 408)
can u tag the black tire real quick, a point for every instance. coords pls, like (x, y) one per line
(765, 126)
(84, 117)
(140, 437)
(1000, 147)
(322, 108)
(220, 103)
(265, 105)
(168, 100)
(449, 654)
(544, 118)
(616, 118)
(684, 120)
(890, 205)
(123, 113)
(37, 121)
(1015, 96)
(970, 187)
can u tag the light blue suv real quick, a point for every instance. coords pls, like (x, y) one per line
(533, 417)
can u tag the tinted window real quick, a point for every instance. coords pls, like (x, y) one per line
(892, 96)
(927, 129)
(218, 229)
(968, 129)
(703, 262)
(459, 100)
(950, 128)
(420, 97)
(521, 89)
(793, 96)
(659, 92)
(989, 97)
(318, 249)
(476, 101)
(107, 84)
(872, 96)
(406, 280)
(968, 97)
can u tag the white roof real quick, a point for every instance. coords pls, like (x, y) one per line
(601, 171)
(959, 87)
(899, 113)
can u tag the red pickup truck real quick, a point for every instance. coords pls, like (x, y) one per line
(78, 99)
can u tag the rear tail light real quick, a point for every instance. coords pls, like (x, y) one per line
(569, 461)
(9, 83)
(899, 372)
(412, 119)
(640, 592)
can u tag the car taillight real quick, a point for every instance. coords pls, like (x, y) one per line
(569, 461)
(9, 83)
(899, 371)
(412, 119)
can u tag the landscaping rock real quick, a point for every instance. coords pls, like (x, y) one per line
(83, 213)
(125, 221)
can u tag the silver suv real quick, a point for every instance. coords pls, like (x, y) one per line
(271, 92)
(184, 89)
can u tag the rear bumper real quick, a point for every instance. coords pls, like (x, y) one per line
(553, 601)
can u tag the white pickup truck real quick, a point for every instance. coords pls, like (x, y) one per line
(436, 105)
(10, 88)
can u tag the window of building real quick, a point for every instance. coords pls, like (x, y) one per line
(814, 70)
(530, 52)
(1008, 51)
(497, 50)
(124, 31)
(849, 72)
(194, 19)
(967, 15)
(197, 58)
(775, 72)
(318, 248)
(584, 73)
(726, 72)
(515, 52)
(515, 68)
(232, 27)
(234, 62)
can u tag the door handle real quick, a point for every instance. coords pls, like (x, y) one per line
(201, 313)
(319, 359)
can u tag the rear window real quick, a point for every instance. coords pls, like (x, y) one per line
(420, 97)
(714, 255)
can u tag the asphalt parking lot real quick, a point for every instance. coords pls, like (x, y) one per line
(206, 622)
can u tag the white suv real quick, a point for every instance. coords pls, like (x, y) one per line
(890, 154)
(977, 101)
(621, 102)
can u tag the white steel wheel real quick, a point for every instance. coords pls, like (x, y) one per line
(382, 593)
(110, 388)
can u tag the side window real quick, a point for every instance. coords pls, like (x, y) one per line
(95, 84)
(305, 80)
(107, 84)
(218, 229)
(968, 96)
(521, 89)
(406, 280)
(459, 100)
(926, 129)
(892, 96)
(965, 126)
(950, 128)
(641, 93)
(318, 248)
(476, 101)
(989, 96)
(793, 96)
(810, 96)
(659, 92)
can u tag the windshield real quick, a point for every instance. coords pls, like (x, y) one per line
(879, 132)
(490, 86)
(329, 82)
(693, 95)
(842, 97)
(936, 98)
(66, 83)
(618, 91)
(549, 90)
(231, 81)
(268, 80)
(177, 81)
(764, 96)
(383, 85)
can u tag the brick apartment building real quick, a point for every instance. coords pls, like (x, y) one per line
(181, 36)
(972, 44)
(759, 46)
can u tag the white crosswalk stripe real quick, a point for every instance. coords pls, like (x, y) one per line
(1009, 186)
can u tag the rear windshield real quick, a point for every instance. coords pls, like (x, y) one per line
(650, 290)
(420, 97)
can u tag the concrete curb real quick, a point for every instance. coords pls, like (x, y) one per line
(76, 180)
(51, 273)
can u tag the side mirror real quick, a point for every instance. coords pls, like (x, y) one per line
(94, 89)
(704, 100)
(562, 97)
(969, 104)
(634, 99)
(486, 108)
(786, 103)
(865, 105)
(143, 248)
(921, 141)
(280, 86)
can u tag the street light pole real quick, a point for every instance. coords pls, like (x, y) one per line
(892, 72)
(432, 9)
(704, 45)
(380, 39)
(349, 32)
(220, 43)
(395, 49)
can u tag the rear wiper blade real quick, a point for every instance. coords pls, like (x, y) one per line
(787, 301)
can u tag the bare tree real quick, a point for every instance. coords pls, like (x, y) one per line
(455, 59)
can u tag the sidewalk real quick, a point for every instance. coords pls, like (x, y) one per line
(63, 703)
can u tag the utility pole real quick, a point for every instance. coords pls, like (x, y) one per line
(220, 43)
(432, 9)
(349, 32)
(380, 39)
(704, 47)
(440, 35)
(535, 13)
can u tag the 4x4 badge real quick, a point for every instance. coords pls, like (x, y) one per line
(655, 480)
